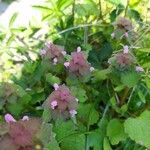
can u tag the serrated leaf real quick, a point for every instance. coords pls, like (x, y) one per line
(48, 137)
(94, 140)
(52, 79)
(46, 115)
(64, 129)
(130, 79)
(138, 129)
(79, 93)
(88, 114)
(101, 75)
(74, 142)
(93, 117)
(115, 131)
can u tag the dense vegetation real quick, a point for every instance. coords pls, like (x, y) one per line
(78, 79)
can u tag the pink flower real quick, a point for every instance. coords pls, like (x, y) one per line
(54, 52)
(126, 34)
(125, 49)
(139, 69)
(78, 64)
(66, 64)
(79, 49)
(113, 35)
(73, 112)
(124, 59)
(9, 118)
(53, 104)
(43, 52)
(124, 24)
(25, 118)
(61, 101)
(23, 132)
(56, 86)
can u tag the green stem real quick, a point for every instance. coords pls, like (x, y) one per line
(124, 96)
(126, 9)
(100, 10)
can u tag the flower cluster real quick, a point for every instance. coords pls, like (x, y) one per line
(78, 64)
(123, 28)
(61, 102)
(124, 23)
(53, 52)
(122, 59)
(20, 134)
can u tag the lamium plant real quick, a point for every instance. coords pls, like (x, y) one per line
(78, 78)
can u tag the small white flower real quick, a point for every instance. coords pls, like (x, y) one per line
(54, 104)
(109, 62)
(77, 100)
(78, 49)
(25, 118)
(55, 61)
(56, 86)
(92, 69)
(113, 35)
(64, 53)
(73, 112)
(66, 64)
(139, 69)
(125, 49)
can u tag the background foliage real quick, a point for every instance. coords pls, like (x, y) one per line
(113, 110)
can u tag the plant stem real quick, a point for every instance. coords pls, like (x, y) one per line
(125, 94)
(126, 9)
(100, 10)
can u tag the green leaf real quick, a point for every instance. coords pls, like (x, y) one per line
(93, 117)
(46, 133)
(114, 14)
(119, 88)
(146, 50)
(74, 142)
(88, 114)
(134, 14)
(79, 93)
(141, 96)
(130, 79)
(52, 79)
(94, 140)
(106, 144)
(101, 75)
(62, 4)
(12, 19)
(138, 129)
(117, 2)
(48, 137)
(115, 131)
(64, 129)
(46, 115)
(42, 8)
